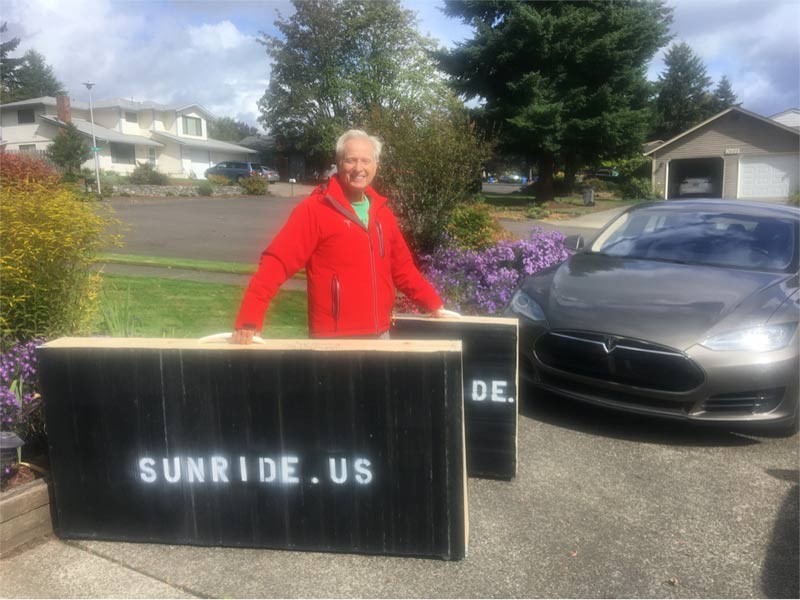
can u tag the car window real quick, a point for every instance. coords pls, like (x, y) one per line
(729, 240)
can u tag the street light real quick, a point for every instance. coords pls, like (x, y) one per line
(94, 141)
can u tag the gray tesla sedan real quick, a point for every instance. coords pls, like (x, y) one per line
(680, 309)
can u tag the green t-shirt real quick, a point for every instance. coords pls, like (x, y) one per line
(362, 210)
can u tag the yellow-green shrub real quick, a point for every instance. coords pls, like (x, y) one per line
(473, 226)
(48, 240)
(218, 180)
(253, 186)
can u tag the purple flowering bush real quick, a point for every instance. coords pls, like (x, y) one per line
(20, 402)
(481, 282)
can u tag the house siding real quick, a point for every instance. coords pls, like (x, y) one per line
(739, 135)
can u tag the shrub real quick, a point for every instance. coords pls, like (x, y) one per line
(205, 188)
(146, 174)
(429, 166)
(218, 180)
(253, 186)
(537, 211)
(69, 151)
(473, 226)
(598, 184)
(48, 239)
(637, 189)
(482, 281)
(794, 199)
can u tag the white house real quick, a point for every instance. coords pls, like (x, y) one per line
(172, 138)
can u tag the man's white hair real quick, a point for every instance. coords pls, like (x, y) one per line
(358, 134)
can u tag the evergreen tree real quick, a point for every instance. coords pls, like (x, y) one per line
(683, 98)
(34, 78)
(8, 66)
(336, 60)
(561, 81)
(724, 97)
(229, 130)
(69, 150)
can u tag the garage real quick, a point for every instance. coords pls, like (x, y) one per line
(199, 162)
(696, 177)
(734, 154)
(762, 177)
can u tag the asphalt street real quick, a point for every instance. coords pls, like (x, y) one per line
(604, 505)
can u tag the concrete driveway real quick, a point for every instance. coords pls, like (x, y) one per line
(604, 505)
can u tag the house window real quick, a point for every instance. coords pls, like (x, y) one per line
(26, 116)
(151, 156)
(192, 126)
(132, 117)
(27, 148)
(123, 154)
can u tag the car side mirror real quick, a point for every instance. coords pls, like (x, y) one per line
(574, 242)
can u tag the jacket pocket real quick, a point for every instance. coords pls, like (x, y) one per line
(335, 300)
(379, 228)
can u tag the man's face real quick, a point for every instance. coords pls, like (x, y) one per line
(357, 166)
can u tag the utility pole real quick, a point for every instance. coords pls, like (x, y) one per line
(94, 141)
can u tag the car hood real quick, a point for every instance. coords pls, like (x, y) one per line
(676, 305)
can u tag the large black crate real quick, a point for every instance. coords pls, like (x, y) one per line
(344, 446)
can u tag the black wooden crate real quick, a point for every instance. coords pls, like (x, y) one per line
(490, 359)
(294, 414)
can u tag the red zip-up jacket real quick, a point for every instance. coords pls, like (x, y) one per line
(351, 270)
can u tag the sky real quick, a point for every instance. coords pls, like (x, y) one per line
(206, 52)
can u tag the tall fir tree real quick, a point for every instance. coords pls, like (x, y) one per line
(683, 98)
(34, 78)
(8, 66)
(724, 96)
(562, 82)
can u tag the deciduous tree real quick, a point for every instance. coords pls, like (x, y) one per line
(334, 61)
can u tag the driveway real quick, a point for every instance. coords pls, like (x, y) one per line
(604, 505)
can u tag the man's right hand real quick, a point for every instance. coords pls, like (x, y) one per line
(243, 336)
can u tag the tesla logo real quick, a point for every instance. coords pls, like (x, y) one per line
(609, 344)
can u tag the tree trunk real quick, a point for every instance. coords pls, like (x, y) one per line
(570, 171)
(547, 165)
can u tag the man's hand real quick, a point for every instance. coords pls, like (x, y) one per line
(243, 336)
(443, 312)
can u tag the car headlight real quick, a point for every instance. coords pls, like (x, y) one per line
(756, 339)
(522, 304)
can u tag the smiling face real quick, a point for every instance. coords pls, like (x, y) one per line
(357, 166)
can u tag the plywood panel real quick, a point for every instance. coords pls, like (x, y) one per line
(352, 446)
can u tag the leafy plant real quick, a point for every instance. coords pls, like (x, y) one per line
(637, 189)
(69, 151)
(473, 226)
(118, 318)
(146, 174)
(20, 401)
(482, 281)
(218, 180)
(794, 199)
(253, 186)
(205, 188)
(537, 211)
(48, 240)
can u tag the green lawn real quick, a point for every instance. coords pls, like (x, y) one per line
(154, 307)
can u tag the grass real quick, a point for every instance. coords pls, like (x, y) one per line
(514, 206)
(187, 309)
(192, 264)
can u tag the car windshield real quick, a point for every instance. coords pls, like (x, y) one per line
(705, 238)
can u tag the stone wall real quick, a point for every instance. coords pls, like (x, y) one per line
(173, 190)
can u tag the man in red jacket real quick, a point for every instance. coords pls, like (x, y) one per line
(351, 247)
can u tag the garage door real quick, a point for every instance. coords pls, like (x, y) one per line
(199, 162)
(769, 176)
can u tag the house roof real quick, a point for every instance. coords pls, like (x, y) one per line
(105, 134)
(785, 112)
(207, 144)
(112, 103)
(717, 116)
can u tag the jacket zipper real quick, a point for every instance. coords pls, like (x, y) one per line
(380, 236)
(356, 220)
(335, 299)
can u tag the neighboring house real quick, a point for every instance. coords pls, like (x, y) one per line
(174, 139)
(744, 155)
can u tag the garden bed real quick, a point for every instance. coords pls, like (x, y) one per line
(24, 514)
